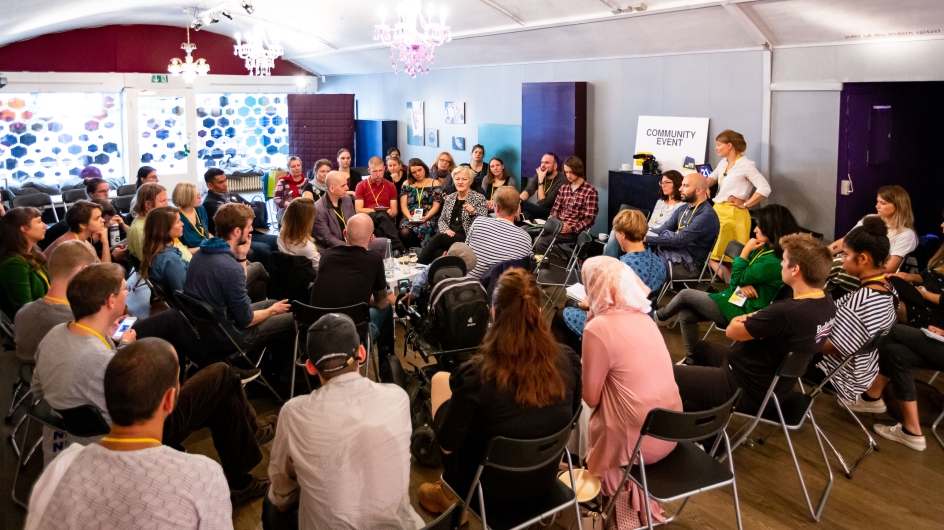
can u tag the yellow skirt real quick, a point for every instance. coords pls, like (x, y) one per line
(735, 224)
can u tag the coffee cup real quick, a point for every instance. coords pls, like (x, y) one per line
(603, 237)
(627, 167)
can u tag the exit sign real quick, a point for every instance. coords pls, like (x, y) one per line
(159, 78)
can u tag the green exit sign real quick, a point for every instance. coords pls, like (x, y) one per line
(159, 78)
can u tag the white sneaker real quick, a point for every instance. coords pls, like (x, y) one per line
(895, 433)
(861, 405)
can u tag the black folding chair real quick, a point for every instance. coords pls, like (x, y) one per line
(561, 278)
(127, 190)
(688, 469)
(306, 315)
(644, 211)
(122, 203)
(43, 201)
(290, 277)
(203, 319)
(450, 519)
(671, 281)
(505, 458)
(71, 196)
(552, 226)
(731, 250)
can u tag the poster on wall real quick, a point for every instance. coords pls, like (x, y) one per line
(415, 126)
(455, 112)
(432, 138)
(458, 143)
(674, 141)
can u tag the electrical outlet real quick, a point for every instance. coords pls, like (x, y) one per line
(846, 187)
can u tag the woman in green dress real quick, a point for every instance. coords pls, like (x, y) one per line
(22, 265)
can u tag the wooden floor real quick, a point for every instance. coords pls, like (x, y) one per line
(894, 488)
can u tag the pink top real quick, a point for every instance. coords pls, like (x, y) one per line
(627, 372)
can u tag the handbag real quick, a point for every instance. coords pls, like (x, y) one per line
(259, 208)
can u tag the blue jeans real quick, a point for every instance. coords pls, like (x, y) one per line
(612, 248)
(262, 246)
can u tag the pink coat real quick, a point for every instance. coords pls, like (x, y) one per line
(627, 372)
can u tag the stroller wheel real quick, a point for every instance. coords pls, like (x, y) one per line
(424, 448)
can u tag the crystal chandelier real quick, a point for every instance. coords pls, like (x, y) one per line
(259, 54)
(413, 39)
(188, 69)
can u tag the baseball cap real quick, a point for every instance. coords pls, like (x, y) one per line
(333, 337)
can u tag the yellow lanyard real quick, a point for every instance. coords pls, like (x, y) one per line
(728, 168)
(814, 294)
(879, 277)
(376, 197)
(56, 300)
(132, 440)
(97, 334)
(695, 209)
(198, 226)
(341, 217)
(419, 197)
(759, 254)
(43, 276)
(492, 195)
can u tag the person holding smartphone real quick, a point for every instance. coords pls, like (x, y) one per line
(420, 201)
(377, 198)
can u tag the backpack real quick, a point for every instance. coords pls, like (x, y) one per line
(261, 220)
(458, 313)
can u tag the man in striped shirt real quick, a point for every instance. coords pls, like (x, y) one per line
(497, 239)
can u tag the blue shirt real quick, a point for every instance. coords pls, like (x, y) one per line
(169, 268)
(194, 235)
(690, 229)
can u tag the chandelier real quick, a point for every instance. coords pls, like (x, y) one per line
(413, 39)
(188, 69)
(259, 54)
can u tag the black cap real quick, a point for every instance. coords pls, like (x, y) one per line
(331, 337)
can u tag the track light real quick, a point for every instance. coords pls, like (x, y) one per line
(226, 14)
(197, 24)
(247, 5)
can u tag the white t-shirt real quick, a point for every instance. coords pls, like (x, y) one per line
(94, 488)
(661, 213)
(308, 250)
(902, 242)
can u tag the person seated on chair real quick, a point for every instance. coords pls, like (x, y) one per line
(420, 283)
(219, 275)
(395, 173)
(356, 473)
(332, 213)
(670, 199)
(317, 176)
(460, 209)
(442, 169)
(376, 192)
(686, 239)
(859, 315)
(70, 368)
(193, 214)
(630, 227)
(22, 265)
(544, 187)
(351, 275)
(86, 225)
(295, 235)
(36, 318)
(292, 186)
(762, 339)
(146, 175)
(497, 239)
(111, 218)
(627, 371)
(162, 261)
(920, 294)
(352, 176)
(218, 194)
(420, 201)
(521, 384)
(496, 177)
(96, 188)
(129, 479)
(755, 279)
(149, 196)
(576, 206)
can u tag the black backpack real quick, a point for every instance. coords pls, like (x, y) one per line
(458, 313)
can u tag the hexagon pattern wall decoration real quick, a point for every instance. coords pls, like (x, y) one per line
(224, 138)
(162, 132)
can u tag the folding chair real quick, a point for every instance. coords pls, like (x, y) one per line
(671, 281)
(306, 315)
(22, 384)
(450, 519)
(731, 250)
(84, 421)
(43, 201)
(562, 278)
(122, 203)
(934, 428)
(202, 319)
(645, 212)
(688, 469)
(503, 459)
(790, 415)
(552, 226)
(71, 196)
(127, 190)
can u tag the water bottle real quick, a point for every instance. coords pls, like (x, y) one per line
(114, 236)
(389, 264)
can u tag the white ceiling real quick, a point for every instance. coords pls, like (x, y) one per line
(335, 37)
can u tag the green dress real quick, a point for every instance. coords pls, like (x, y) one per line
(20, 284)
(761, 271)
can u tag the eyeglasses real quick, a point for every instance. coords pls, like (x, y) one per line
(663, 183)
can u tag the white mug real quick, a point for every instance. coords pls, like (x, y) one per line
(603, 237)
(627, 167)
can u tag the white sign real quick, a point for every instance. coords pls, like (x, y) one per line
(677, 143)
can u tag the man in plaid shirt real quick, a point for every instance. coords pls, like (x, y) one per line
(576, 206)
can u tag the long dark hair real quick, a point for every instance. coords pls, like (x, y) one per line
(143, 172)
(489, 178)
(92, 184)
(776, 221)
(676, 179)
(519, 351)
(14, 243)
(871, 238)
(413, 163)
(937, 260)
(157, 226)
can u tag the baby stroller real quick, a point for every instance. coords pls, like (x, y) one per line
(446, 325)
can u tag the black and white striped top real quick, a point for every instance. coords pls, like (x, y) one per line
(859, 315)
(495, 240)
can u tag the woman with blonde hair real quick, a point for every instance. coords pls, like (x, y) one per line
(740, 186)
(189, 201)
(521, 384)
(295, 236)
(163, 261)
(441, 170)
(150, 196)
(460, 208)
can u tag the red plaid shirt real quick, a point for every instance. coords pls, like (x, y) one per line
(577, 208)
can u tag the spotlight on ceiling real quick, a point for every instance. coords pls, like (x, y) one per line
(247, 5)
(639, 7)
(197, 24)
(226, 14)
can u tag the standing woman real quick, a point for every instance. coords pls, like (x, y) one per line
(344, 166)
(146, 174)
(291, 186)
(22, 265)
(420, 191)
(192, 213)
(295, 235)
(497, 177)
(736, 177)
(442, 171)
(459, 210)
(318, 177)
(163, 262)
(479, 167)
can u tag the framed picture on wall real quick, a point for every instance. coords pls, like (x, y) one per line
(416, 125)
(455, 112)
(432, 138)
(458, 143)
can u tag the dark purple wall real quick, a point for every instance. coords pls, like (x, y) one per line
(553, 118)
(319, 125)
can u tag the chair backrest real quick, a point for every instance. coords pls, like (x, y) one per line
(783, 292)
(674, 426)
(793, 365)
(306, 315)
(628, 207)
(553, 226)
(583, 245)
(69, 197)
(164, 294)
(445, 267)
(198, 312)
(449, 520)
(84, 421)
(733, 249)
(35, 200)
(868, 347)
(127, 190)
(122, 203)
(509, 454)
(290, 277)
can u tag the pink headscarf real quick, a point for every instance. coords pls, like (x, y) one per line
(612, 285)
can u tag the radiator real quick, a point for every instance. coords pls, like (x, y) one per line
(244, 184)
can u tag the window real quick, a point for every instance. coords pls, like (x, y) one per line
(162, 133)
(242, 130)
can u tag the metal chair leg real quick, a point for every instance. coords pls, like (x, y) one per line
(20, 464)
(872, 444)
(934, 429)
(817, 512)
(16, 402)
(16, 448)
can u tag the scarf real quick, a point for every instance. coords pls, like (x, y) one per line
(612, 285)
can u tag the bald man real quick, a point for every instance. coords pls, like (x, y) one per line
(687, 238)
(352, 274)
(332, 213)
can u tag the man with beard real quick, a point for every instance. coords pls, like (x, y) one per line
(689, 235)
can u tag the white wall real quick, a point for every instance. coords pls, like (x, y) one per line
(724, 87)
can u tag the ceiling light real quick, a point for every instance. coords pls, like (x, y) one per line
(247, 5)
(260, 55)
(226, 14)
(639, 7)
(188, 69)
(413, 39)
(197, 24)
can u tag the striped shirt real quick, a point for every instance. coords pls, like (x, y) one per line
(495, 240)
(859, 315)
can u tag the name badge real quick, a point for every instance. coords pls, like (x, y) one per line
(737, 298)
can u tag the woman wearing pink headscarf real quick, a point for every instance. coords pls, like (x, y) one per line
(627, 372)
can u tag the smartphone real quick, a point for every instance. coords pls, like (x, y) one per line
(417, 215)
(125, 325)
